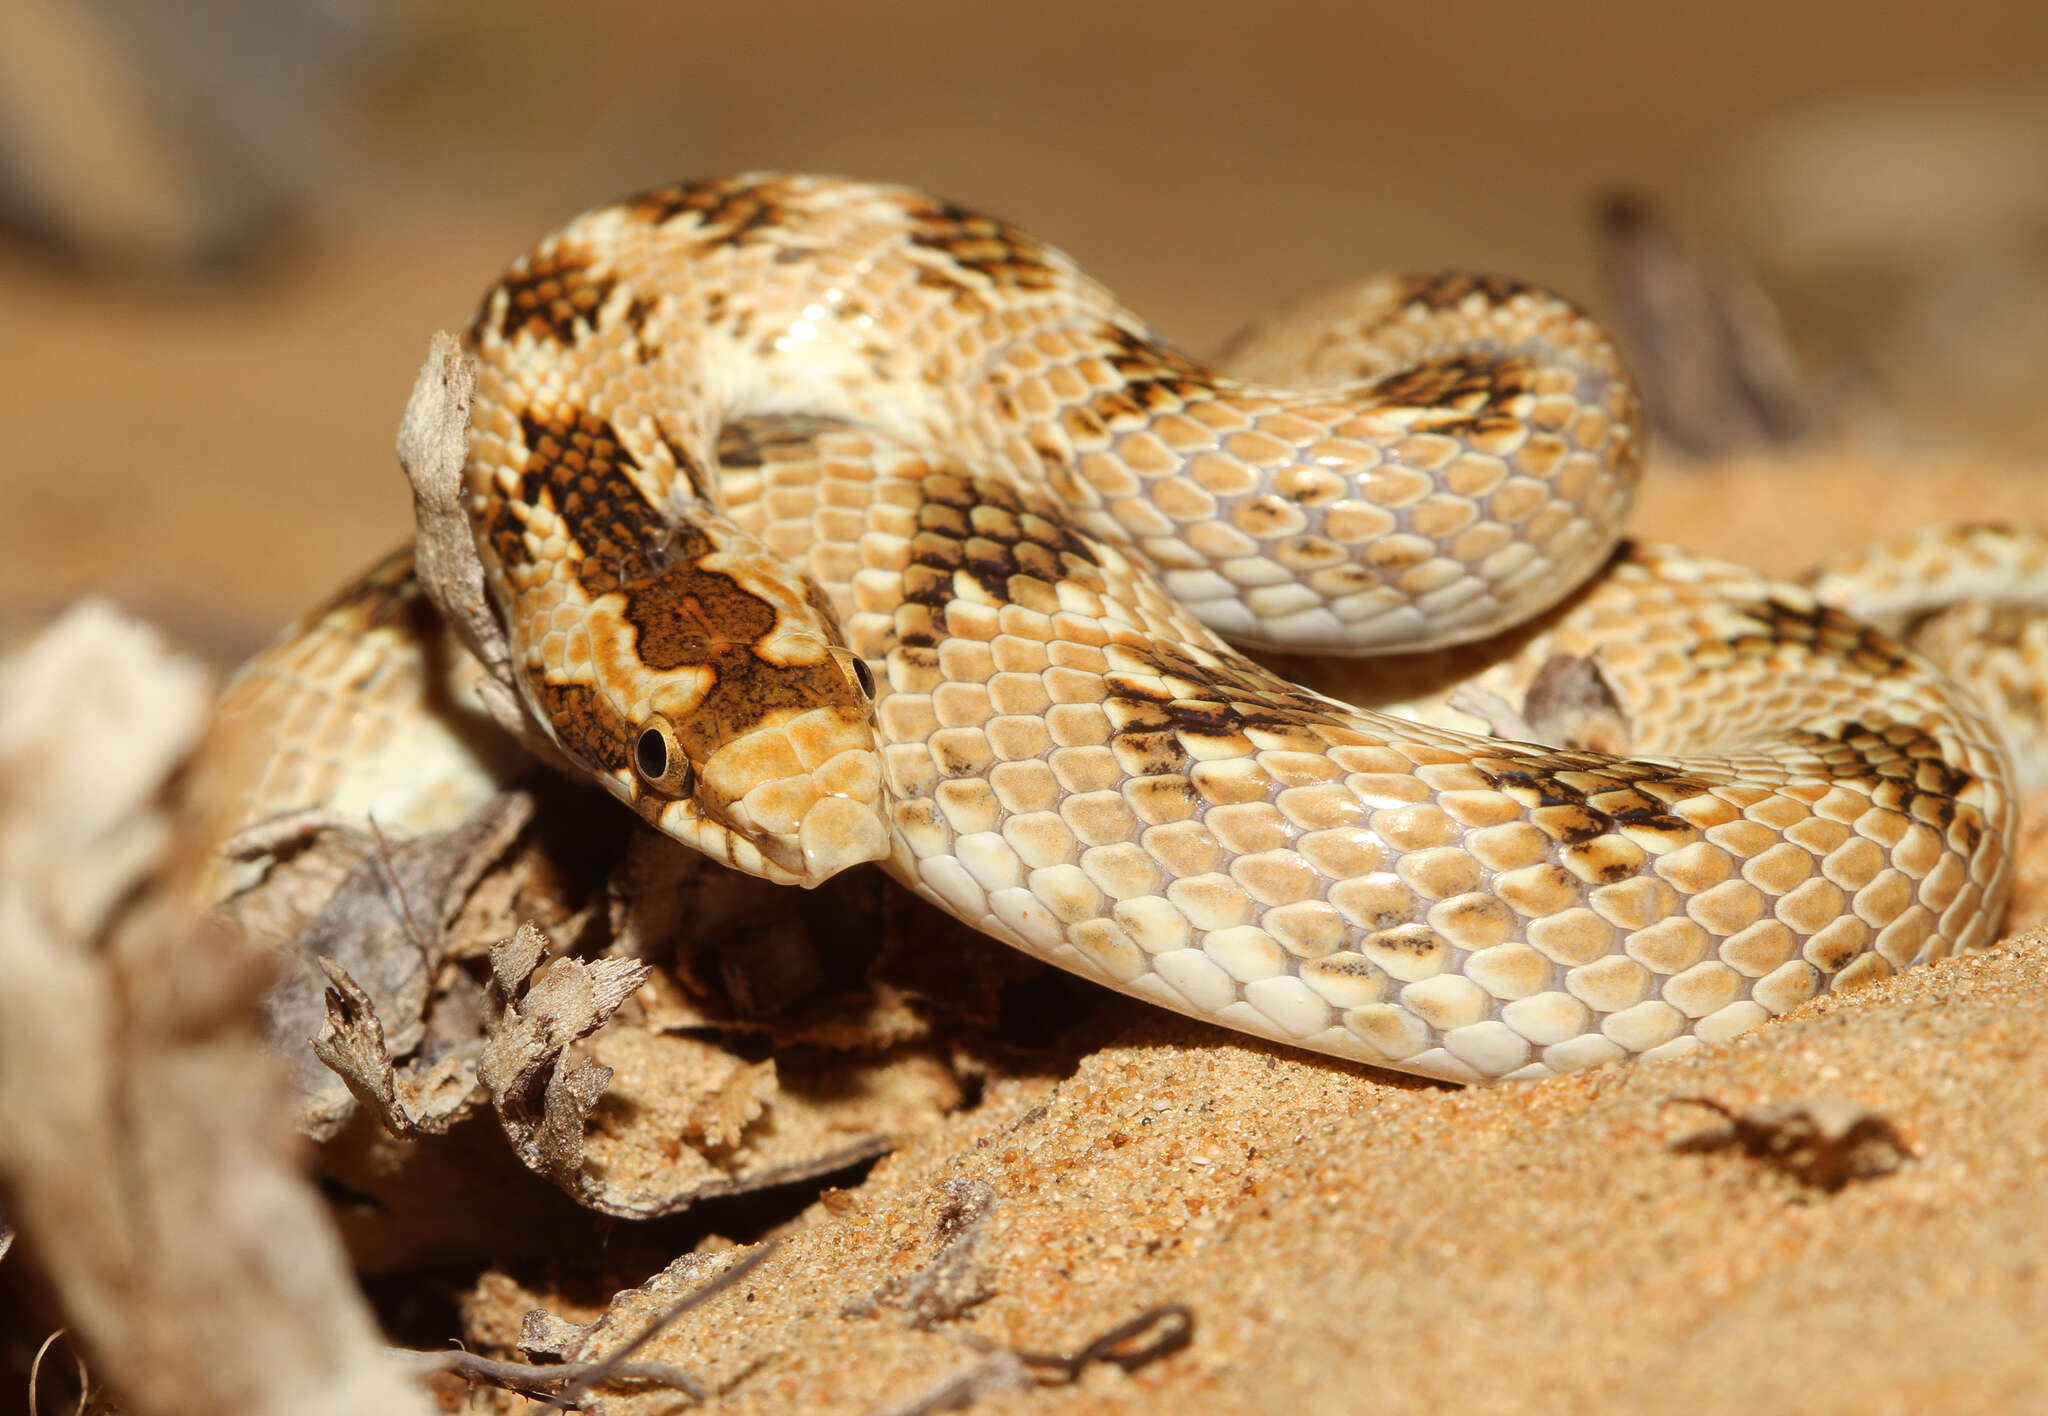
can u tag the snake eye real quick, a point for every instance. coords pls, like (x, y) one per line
(659, 759)
(864, 676)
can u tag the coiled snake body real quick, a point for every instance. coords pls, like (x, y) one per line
(831, 523)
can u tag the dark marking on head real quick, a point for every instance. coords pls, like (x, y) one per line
(577, 460)
(683, 616)
(585, 723)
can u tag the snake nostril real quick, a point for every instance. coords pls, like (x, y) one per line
(866, 677)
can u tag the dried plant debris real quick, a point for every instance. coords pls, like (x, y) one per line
(997, 1370)
(952, 1282)
(384, 928)
(852, 965)
(762, 1042)
(1569, 704)
(627, 1121)
(425, 1100)
(1129, 1346)
(1824, 1143)
(433, 445)
(142, 1144)
(687, 1283)
(1717, 373)
(1139, 1342)
(535, 1010)
(96, 714)
(569, 1380)
(688, 1119)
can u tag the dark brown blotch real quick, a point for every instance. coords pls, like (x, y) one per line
(1011, 547)
(584, 722)
(1461, 391)
(682, 615)
(577, 460)
(998, 252)
(1823, 629)
(553, 294)
(1144, 357)
(730, 210)
(1448, 289)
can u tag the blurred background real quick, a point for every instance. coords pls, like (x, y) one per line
(231, 225)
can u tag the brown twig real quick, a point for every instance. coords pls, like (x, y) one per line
(546, 1380)
(1168, 1328)
(565, 1384)
(718, 1285)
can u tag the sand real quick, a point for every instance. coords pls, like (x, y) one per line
(1346, 1242)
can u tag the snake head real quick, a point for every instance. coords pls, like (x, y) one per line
(713, 693)
(775, 770)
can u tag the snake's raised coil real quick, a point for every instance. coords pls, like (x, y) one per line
(830, 523)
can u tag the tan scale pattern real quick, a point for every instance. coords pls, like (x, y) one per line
(365, 707)
(1970, 598)
(1015, 504)
(1103, 784)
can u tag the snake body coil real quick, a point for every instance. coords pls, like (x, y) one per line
(832, 523)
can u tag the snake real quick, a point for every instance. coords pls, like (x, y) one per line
(1321, 698)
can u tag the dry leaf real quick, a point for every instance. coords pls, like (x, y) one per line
(384, 927)
(533, 1015)
(143, 1138)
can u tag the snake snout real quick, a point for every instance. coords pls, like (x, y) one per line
(806, 792)
(838, 832)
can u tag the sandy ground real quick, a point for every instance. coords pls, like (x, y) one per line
(1344, 1240)
(1349, 1243)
